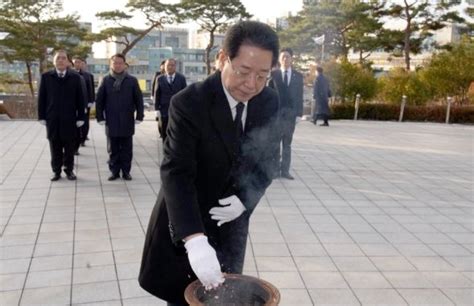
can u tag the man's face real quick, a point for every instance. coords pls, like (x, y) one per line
(61, 61)
(170, 67)
(246, 75)
(285, 59)
(117, 64)
(78, 64)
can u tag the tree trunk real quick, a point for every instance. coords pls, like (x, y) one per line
(407, 48)
(30, 78)
(208, 52)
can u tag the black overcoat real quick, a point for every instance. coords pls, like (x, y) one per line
(321, 95)
(202, 164)
(118, 108)
(61, 104)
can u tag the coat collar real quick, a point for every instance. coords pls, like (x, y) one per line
(221, 115)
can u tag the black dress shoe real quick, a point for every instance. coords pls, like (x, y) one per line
(127, 176)
(113, 177)
(76, 153)
(287, 176)
(324, 124)
(83, 144)
(55, 177)
(71, 176)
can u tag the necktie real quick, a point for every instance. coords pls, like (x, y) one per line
(239, 128)
(285, 79)
(61, 75)
(170, 79)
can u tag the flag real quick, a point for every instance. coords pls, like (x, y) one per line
(319, 40)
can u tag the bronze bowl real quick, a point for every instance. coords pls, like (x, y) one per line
(237, 289)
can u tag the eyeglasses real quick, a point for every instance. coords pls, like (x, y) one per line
(259, 78)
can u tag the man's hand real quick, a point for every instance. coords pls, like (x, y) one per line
(43, 122)
(101, 122)
(157, 114)
(297, 120)
(203, 260)
(79, 123)
(90, 104)
(231, 210)
(138, 121)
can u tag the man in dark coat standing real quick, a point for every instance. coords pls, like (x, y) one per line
(79, 66)
(218, 161)
(289, 84)
(61, 109)
(167, 85)
(118, 98)
(321, 95)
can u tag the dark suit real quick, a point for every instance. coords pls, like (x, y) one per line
(291, 106)
(61, 104)
(90, 98)
(163, 93)
(118, 109)
(203, 163)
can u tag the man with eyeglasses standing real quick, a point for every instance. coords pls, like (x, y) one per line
(218, 161)
(289, 84)
(167, 85)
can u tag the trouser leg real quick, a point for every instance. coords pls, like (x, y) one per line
(69, 149)
(56, 155)
(114, 155)
(126, 154)
(287, 138)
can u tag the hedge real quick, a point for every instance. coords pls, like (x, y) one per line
(387, 112)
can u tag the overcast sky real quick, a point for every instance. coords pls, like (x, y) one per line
(261, 9)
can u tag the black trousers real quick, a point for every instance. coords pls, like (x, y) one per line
(62, 153)
(85, 127)
(121, 154)
(162, 125)
(287, 128)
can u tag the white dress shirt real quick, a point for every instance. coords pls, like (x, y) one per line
(283, 75)
(233, 106)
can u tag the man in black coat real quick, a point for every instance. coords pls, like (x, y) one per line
(218, 161)
(61, 109)
(79, 65)
(118, 98)
(289, 84)
(167, 85)
(155, 79)
(321, 95)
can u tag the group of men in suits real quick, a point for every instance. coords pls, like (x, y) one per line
(64, 100)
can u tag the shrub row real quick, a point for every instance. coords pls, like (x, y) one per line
(387, 112)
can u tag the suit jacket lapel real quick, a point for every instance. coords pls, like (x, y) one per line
(221, 116)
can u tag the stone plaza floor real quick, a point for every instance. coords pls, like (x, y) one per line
(380, 213)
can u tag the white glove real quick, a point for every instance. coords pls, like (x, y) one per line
(298, 119)
(203, 260)
(79, 123)
(90, 104)
(101, 122)
(157, 114)
(138, 121)
(232, 209)
(43, 122)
